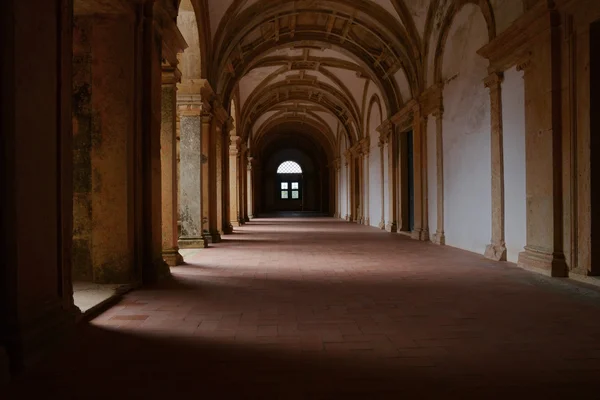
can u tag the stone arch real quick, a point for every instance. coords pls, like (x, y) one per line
(455, 7)
(191, 21)
(374, 102)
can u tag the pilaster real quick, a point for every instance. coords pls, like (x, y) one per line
(234, 175)
(496, 250)
(383, 137)
(440, 236)
(250, 188)
(168, 155)
(366, 149)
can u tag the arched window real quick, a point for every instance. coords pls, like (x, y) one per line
(289, 167)
(290, 178)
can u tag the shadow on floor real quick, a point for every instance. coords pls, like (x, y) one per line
(104, 364)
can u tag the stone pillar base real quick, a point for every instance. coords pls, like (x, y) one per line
(48, 328)
(367, 222)
(172, 257)
(235, 224)
(381, 225)
(193, 243)
(425, 237)
(439, 238)
(347, 217)
(4, 367)
(391, 227)
(249, 217)
(416, 234)
(228, 229)
(496, 252)
(539, 261)
(212, 237)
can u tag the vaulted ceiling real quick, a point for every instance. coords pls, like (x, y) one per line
(321, 63)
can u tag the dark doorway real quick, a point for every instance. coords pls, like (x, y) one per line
(595, 147)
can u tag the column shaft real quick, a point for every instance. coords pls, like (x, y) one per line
(440, 237)
(392, 224)
(496, 250)
(234, 157)
(168, 155)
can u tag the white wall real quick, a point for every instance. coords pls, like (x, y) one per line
(432, 175)
(466, 127)
(513, 110)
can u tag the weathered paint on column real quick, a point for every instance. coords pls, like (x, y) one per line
(191, 202)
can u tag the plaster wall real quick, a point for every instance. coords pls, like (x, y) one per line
(466, 127)
(515, 201)
(432, 175)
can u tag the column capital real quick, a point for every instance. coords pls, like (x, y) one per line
(494, 80)
(171, 76)
(385, 131)
(234, 145)
(365, 144)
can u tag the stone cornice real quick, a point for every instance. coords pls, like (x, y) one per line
(385, 131)
(170, 75)
(405, 117)
(511, 46)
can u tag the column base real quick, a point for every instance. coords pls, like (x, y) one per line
(381, 225)
(367, 222)
(41, 333)
(235, 224)
(495, 252)
(212, 237)
(193, 243)
(551, 264)
(391, 227)
(425, 236)
(172, 257)
(439, 238)
(416, 234)
(4, 367)
(249, 217)
(228, 229)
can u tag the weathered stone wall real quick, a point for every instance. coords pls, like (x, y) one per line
(190, 156)
(82, 149)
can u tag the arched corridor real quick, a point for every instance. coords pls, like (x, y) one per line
(314, 307)
(403, 192)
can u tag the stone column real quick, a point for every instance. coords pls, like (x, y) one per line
(543, 148)
(392, 224)
(250, 188)
(191, 201)
(336, 188)
(234, 157)
(168, 155)
(244, 186)
(366, 149)
(208, 168)
(36, 212)
(440, 237)
(348, 164)
(425, 236)
(496, 250)
(418, 134)
(381, 144)
(217, 181)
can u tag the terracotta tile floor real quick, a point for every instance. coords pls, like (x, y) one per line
(317, 308)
